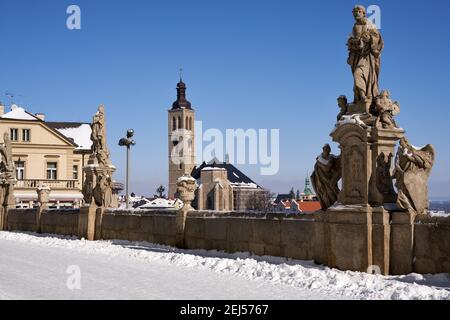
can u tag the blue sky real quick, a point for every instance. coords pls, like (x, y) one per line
(247, 64)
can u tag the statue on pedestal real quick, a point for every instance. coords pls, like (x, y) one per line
(97, 187)
(365, 45)
(7, 173)
(327, 173)
(412, 170)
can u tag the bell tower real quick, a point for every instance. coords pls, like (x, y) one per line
(181, 119)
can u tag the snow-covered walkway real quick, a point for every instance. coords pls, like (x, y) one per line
(36, 267)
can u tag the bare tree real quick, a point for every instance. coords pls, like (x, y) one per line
(260, 201)
(160, 191)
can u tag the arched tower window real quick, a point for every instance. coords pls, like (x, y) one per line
(190, 124)
(179, 123)
(187, 123)
(174, 124)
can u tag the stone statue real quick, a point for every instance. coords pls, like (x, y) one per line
(97, 187)
(343, 106)
(100, 150)
(327, 173)
(365, 45)
(384, 181)
(386, 109)
(7, 173)
(412, 170)
(88, 188)
(7, 163)
(103, 191)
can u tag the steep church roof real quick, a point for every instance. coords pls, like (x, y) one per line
(234, 175)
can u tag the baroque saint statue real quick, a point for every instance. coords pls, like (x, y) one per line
(327, 173)
(365, 45)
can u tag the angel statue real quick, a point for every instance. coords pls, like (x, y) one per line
(412, 169)
(386, 109)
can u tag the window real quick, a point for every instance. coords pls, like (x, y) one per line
(52, 171)
(26, 135)
(20, 170)
(14, 134)
(75, 172)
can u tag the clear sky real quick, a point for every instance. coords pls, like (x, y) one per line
(247, 64)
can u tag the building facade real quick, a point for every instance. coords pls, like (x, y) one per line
(50, 154)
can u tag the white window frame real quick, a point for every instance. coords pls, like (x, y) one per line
(27, 135)
(14, 137)
(52, 173)
(20, 171)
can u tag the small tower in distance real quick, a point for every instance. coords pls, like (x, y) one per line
(308, 193)
(181, 129)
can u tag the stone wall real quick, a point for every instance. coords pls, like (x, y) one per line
(432, 245)
(145, 225)
(275, 235)
(63, 222)
(21, 220)
(397, 242)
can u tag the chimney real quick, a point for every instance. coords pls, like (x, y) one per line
(2, 109)
(40, 116)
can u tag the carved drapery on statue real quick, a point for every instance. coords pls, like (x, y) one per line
(7, 173)
(98, 183)
(412, 171)
(365, 45)
(327, 173)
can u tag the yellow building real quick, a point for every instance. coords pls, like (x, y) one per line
(50, 154)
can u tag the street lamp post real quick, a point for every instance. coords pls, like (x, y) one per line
(128, 142)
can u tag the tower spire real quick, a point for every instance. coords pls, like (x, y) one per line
(182, 102)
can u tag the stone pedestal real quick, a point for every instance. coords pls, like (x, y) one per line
(7, 200)
(353, 238)
(43, 195)
(402, 243)
(3, 211)
(366, 159)
(186, 186)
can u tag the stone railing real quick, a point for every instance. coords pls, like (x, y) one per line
(53, 184)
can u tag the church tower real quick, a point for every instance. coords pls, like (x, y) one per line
(181, 138)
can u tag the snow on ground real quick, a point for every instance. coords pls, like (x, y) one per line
(34, 266)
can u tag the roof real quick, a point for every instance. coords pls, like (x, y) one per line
(78, 132)
(281, 197)
(303, 206)
(18, 113)
(234, 175)
(310, 206)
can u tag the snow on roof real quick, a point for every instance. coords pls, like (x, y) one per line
(18, 113)
(81, 135)
(162, 203)
(213, 169)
